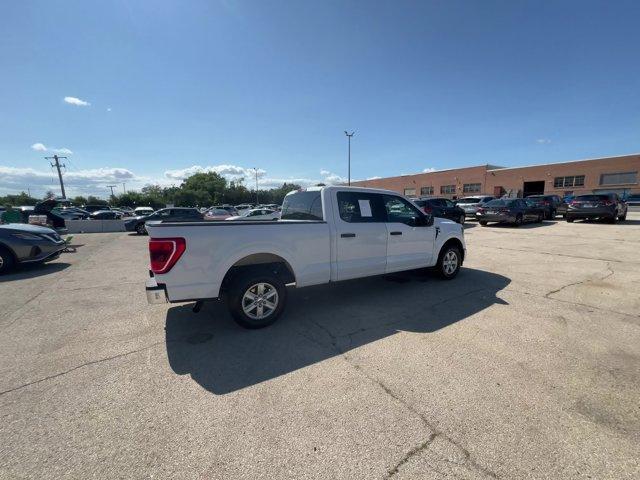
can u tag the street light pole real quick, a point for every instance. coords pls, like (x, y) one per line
(257, 202)
(349, 135)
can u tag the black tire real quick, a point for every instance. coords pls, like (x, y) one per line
(553, 215)
(612, 219)
(518, 221)
(461, 219)
(540, 218)
(569, 219)
(623, 217)
(483, 223)
(245, 282)
(446, 255)
(141, 229)
(7, 262)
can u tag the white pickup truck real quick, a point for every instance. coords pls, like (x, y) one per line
(325, 234)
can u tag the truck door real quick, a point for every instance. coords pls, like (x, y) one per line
(361, 235)
(408, 246)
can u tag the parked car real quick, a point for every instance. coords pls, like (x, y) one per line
(21, 244)
(125, 213)
(106, 215)
(515, 211)
(441, 208)
(71, 213)
(96, 208)
(176, 214)
(604, 206)
(633, 200)
(470, 205)
(552, 204)
(217, 214)
(229, 208)
(140, 211)
(326, 234)
(257, 214)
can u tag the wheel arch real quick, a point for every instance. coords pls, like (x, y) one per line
(6, 247)
(262, 260)
(453, 241)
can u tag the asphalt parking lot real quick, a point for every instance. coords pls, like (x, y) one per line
(525, 366)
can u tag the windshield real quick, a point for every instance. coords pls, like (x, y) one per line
(302, 206)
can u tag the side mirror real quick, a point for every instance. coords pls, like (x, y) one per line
(421, 221)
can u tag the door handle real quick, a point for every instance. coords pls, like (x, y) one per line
(347, 235)
(395, 233)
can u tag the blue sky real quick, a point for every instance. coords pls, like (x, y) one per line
(232, 85)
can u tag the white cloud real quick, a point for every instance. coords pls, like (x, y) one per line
(76, 101)
(108, 109)
(373, 178)
(79, 182)
(543, 141)
(429, 170)
(39, 147)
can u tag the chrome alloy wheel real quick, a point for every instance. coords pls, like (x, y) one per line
(1, 262)
(450, 262)
(260, 300)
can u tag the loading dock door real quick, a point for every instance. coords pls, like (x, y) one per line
(533, 188)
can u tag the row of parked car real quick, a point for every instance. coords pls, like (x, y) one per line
(535, 208)
(215, 213)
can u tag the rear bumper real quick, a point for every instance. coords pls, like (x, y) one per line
(505, 218)
(156, 294)
(592, 213)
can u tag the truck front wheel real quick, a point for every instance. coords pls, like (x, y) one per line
(449, 262)
(257, 299)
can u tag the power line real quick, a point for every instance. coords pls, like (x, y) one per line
(56, 158)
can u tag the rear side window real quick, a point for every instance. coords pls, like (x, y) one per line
(357, 207)
(302, 206)
(592, 198)
(496, 203)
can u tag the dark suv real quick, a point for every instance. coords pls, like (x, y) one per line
(441, 208)
(166, 214)
(606, 206)
(552, 205)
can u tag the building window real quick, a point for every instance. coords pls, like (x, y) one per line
(569, 182)
(410, 192)
(472, 187)
(426, 191)
(618, 178)
(447, 189)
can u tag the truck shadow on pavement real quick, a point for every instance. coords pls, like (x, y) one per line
(319, 323)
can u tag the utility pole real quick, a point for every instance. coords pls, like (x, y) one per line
(112, 187)
(124, 189)
(349, 135)
(257, 202)
(56, 158)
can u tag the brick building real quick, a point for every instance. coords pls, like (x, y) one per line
(610, 174)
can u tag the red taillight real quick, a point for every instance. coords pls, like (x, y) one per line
(427, 209)
(480, 210)
(607, 202)
(165, 252)
(547, 202)
(573, 202)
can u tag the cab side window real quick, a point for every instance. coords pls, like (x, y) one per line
(399, 210)
(356, 207)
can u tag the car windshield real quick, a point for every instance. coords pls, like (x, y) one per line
(496, 203)
(470, 200)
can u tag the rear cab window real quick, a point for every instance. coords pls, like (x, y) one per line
(302, 205)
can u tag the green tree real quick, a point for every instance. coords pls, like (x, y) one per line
(210, 182)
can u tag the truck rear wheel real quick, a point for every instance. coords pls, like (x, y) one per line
(256, 299)
(6, 260)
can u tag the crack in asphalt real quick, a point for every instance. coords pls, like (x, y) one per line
(77, 367)
(581, 282)
(555, 254)
(468, 461)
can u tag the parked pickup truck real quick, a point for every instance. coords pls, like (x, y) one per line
(325, 234)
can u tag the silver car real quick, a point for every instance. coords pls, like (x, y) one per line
(21, 243)
(470, 205)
